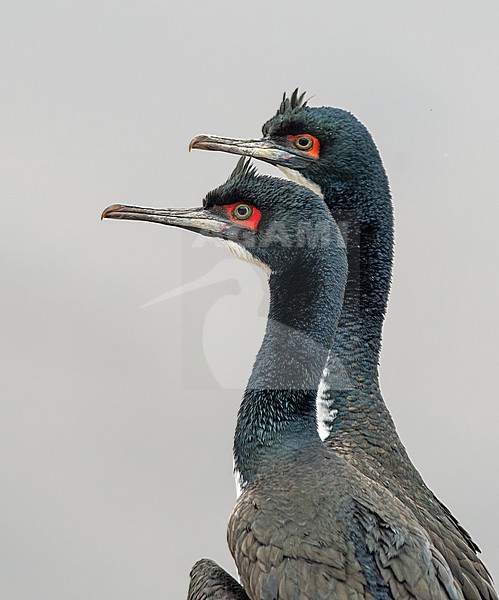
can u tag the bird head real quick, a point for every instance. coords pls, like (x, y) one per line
(260, 218)
(319, 147)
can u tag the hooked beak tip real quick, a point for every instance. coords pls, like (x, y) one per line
(110, 209)
(195, 141)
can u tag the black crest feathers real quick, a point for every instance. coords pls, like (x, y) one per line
(244, 168)
(288, 110)
(294, 103)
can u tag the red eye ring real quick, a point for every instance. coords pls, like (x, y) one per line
(243, 214)
(305, 143)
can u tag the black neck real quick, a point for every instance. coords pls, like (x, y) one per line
(279, 405)
(351, 394)
(365, 216)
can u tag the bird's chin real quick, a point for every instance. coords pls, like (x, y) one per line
(300, 179)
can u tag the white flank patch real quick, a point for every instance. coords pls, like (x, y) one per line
(298, 178)
(322, 412)
(238, 479)
(240, 252)
(239, 483)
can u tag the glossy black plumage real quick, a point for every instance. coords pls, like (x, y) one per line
(352, 179)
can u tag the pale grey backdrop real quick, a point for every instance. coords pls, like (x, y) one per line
(115, 476)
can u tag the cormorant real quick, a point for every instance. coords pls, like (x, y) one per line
(330, 151)
(308, 524)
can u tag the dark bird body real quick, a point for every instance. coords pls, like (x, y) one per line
(209, 580)
(311, 526)
(308, 524)
(343, 163)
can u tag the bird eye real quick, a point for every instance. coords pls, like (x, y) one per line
(242, 212)
(303, 142)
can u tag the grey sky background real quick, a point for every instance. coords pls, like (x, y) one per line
(115, 437)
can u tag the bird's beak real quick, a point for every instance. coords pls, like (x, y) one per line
(264, 149)
(193, 219)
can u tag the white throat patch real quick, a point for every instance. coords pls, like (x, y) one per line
(240, 252)
(298, 178)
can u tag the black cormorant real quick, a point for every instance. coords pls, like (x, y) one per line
(308, 524)
(330, 151)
